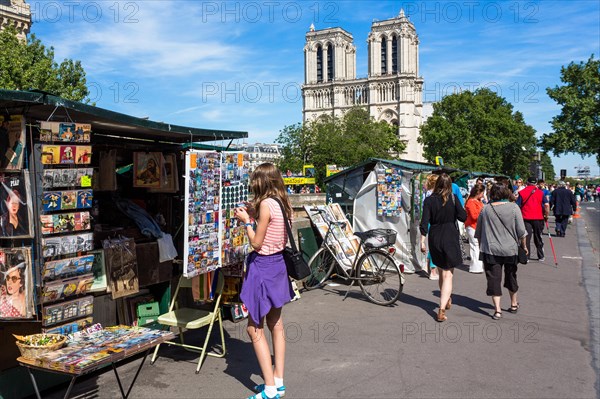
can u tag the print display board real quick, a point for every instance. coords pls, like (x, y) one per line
(16, 287)
(389, 191)
(341, 240)
(12, 143)
(202, 213)
(15, 205)
(235, 179)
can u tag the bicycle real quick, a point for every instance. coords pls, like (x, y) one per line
(373, 268)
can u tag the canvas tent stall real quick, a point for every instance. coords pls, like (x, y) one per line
(381, 193)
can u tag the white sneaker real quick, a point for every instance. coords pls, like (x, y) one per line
(434, 277)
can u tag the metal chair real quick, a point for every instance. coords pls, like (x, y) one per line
(190, 318)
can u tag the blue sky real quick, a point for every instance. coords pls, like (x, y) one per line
(239, 65)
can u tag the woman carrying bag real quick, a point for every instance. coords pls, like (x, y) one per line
(266, 286)
(500, 230)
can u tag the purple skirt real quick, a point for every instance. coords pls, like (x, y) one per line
(266, 285)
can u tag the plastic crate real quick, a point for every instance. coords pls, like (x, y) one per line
(147, 313)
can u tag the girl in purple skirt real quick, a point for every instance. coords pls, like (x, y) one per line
(266, 286)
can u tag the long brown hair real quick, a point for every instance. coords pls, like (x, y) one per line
(477, 189)
(266, 181)
(443, 187)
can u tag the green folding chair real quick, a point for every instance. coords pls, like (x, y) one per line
(190, 319)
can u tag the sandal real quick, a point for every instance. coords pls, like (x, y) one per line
(514, 309)
(441, 316)
(449, 303)
(263, 395)
(497, 316)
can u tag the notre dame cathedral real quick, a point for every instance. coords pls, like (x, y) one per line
(392, 91)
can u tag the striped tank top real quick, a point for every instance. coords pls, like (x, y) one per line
(276, 238)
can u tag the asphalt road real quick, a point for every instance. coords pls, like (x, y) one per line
(355, 349)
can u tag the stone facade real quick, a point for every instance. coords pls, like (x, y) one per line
(259, 153)
(16, 13)
(392, 91)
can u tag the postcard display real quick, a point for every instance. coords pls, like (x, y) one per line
(65, 227)
(342, 241)
(216, 183)
(16, 271)
(389, 191)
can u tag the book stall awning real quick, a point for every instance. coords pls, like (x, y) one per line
(38, 105)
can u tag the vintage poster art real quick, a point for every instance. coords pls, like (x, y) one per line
(67, 154)
(16, 212)
(147, 169)
(50, 154)
(202, 242)
(66, 132)
(51, 201)
(83, 155)
(12, 142)
(121, 266)
(56, 290)
(170, 176)
(68, 200)
(16, 285)
(65, 245)
(84, 199)
(66, 178)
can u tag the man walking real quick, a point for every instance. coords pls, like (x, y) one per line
(562, 201)
(535, 209)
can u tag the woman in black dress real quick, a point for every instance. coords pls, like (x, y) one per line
(441, 210)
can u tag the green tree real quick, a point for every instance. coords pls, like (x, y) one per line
(29, 64)
(547, 167)
(341, 141)
(478, 131)
(577, 128)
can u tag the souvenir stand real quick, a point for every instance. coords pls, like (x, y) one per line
(381, 193)
(93, 215)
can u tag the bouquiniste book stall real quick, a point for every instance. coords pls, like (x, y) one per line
(92, 215)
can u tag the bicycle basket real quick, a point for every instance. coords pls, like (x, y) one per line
(378, 238)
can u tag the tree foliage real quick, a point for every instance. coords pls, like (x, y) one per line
(341, 141)
(547, 167)
(26, 65)
(478, 131)
(577, 128)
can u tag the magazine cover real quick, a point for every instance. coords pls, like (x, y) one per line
(147, 169)
(202, 252)
(16, 285)
(16, 211)
(12, 150)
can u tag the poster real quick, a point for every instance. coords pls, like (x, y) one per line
(389, 191)
(170, 176)
(68, 267)
(67, 178)
(65, 245)
(66, 132)
(202, 213)
(147, 169)
(16, 287)
(12, 142)
(65, 222)
(235, 178)
(121, 266)
(16, 211)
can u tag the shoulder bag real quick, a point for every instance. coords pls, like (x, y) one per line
(297, 267)
(521, 254)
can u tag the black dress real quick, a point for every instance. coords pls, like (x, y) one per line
(443, 236)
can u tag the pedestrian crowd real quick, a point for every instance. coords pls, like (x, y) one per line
(501, 221)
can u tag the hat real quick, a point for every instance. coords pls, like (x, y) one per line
(531, 180)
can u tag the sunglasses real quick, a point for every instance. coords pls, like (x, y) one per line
(14, 279)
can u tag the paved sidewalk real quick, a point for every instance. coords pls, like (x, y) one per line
(355, 349)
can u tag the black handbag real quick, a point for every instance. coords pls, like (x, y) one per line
(521, 254)
(297, 267)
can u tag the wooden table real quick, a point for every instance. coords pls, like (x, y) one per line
(113, 361)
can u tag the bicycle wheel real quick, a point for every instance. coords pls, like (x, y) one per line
(321, 265)
(380, 277)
